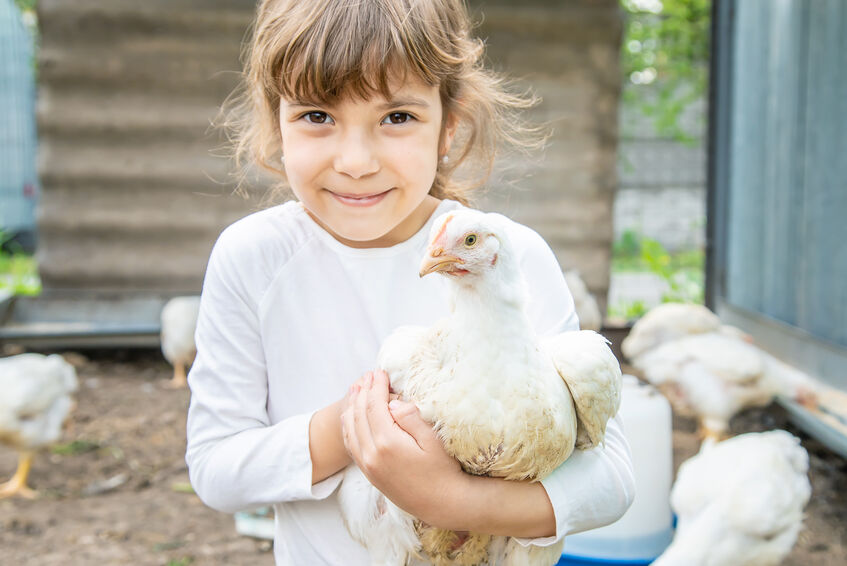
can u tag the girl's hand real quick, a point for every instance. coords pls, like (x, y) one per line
(327, 447)
(346, 401)
(398, 451)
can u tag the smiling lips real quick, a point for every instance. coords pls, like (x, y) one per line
(360, 200)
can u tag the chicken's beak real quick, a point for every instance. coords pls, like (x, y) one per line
(437, 260)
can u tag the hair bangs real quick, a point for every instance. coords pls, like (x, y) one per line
(354, 49)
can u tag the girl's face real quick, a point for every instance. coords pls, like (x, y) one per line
(363, 168)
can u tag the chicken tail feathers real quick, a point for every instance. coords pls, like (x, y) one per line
(593, 376)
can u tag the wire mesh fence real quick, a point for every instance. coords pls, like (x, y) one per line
(18, 178)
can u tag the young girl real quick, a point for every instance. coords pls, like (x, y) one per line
(365, 108)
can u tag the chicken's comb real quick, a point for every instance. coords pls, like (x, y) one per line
(440, 236)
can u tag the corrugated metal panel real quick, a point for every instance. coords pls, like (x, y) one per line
(787, 190)
(133, 196)
(824, 305)
(18, 180)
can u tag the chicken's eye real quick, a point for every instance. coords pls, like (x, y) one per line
(470, 240)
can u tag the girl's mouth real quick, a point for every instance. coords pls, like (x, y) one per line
(360, 200)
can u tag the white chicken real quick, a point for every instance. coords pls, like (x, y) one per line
(179, 321)
(739, 502)
(584, 302)
(667, 322)
(35, 402)
(715, 375)
(504, 402)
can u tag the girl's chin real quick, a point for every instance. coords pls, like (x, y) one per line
(364, 239)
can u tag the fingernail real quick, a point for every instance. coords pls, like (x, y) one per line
(394, 404)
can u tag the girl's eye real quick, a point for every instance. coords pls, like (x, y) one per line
(470, 240)
(397, 118)
(317, 118)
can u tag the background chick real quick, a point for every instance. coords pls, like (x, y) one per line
(36, 399)
(179, 321)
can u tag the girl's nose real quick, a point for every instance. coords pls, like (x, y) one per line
(355, 156)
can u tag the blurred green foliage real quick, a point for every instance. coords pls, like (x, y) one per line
(18, 271)
(629, 311)
(683, 271)
(635, 252)
(665, 59)
(628, 246)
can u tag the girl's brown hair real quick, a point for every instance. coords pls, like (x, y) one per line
(323, 50)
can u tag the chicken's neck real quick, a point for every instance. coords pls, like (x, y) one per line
(495, 299)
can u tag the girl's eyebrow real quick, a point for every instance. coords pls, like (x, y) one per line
(302, 103)
(410, 101)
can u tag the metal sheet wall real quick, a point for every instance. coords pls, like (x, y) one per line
(787, 182)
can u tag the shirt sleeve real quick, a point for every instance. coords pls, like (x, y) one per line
(592, 488)
(236, 458)
(550, 303)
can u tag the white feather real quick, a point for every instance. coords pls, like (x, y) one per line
(667, 322)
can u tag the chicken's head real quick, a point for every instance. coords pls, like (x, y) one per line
(463, 243)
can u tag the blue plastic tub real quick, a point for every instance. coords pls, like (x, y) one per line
(567, 560)
(589, 549)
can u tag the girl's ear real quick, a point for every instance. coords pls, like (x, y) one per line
(450, 125)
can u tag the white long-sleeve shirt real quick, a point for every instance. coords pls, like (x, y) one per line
(289, 318)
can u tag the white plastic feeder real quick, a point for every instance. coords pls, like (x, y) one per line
(646, 529)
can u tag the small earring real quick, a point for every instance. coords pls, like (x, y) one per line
(282, 158)
(445, 159)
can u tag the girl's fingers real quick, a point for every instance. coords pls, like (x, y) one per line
(361, 427)
(379, 418)
(408, 418)
(388, 438)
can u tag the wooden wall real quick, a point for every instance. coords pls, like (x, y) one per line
(568, 52)
(132, 197)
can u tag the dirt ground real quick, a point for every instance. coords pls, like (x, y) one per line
(114, 491)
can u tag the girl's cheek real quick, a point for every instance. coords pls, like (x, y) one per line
(419, 149)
